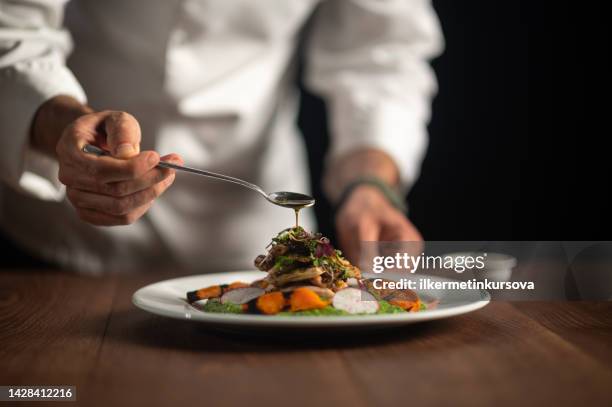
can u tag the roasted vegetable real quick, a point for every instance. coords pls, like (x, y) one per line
(214, 291)
(303, 299)
(271, 303)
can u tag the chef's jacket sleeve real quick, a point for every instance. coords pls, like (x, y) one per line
(369, 60)
(33, 50)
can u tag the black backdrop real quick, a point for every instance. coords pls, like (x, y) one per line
(518, 134)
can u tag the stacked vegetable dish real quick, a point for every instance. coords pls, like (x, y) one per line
(305, 275)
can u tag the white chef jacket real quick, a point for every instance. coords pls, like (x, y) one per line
(210, 80)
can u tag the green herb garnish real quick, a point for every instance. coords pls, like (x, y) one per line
(215, 305)
(327, 311)
(387, 308)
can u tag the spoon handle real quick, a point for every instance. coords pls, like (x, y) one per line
(90, 149)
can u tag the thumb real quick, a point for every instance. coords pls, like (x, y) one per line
(122, 134)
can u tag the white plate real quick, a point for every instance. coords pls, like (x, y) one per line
(167, 298)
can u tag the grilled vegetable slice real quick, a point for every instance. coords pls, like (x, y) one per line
(214, 291)
(271, 303)
(303, 299)
(355, 301)
(296, 275)
(241, 295)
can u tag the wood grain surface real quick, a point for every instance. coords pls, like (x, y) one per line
(58, 328)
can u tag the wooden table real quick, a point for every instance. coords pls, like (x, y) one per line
(59, 328)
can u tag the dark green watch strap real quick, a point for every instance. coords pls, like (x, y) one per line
(392, 195)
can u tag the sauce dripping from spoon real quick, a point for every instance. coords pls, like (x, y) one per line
(297, 216)
(293, 201)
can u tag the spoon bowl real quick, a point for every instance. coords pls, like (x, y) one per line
(291, 200)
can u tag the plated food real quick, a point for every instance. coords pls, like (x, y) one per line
(305, 275)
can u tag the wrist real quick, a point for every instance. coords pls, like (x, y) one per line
(358, 164)
(50, 120)
(371, 185)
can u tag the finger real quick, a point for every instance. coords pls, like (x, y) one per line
(109, 169)
(173, 158)
(69, 176)
(90, 172)
(122, 134)
(117, 206)
(404, 236)
(86, 130)
(104, 178)
(399, 228)
(348, 235)
(103, 219)
(125, 188)
(149, 179)
(368, 230)
(367, 234)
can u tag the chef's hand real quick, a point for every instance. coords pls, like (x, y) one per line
(366, 216)
(116, 189)
(107, 190)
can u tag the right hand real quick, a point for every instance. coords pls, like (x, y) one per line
(116, 189)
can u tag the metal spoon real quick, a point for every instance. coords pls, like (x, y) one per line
(285, 199)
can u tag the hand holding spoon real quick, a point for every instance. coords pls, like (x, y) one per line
(293, 200)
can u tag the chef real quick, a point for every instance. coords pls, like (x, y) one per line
(209, 84)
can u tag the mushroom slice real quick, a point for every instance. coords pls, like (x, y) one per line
(241, 295)
(297, 275)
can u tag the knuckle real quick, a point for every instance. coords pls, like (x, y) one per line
(122, 188)
(119, 206)
(99, 187)
(132, 169)
(118, 189)
(160, 176)
(92, 169)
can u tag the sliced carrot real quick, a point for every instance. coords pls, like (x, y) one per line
(236, 284)
(303, 299)
(214, 291)
(271, 303)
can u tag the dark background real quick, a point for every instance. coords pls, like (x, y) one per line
(518, 135)
(518, 138)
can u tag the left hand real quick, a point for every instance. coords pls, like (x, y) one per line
(367, 215)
